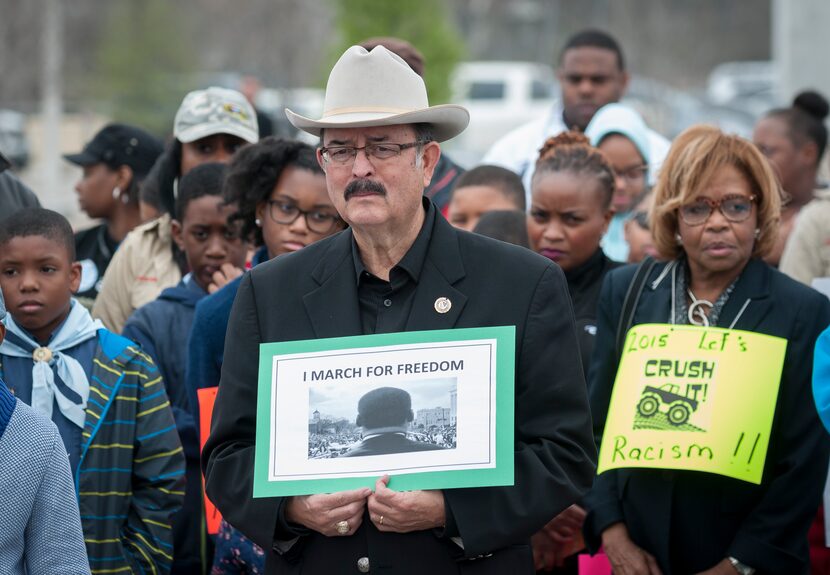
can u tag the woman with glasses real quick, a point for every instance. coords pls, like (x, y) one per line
(283, 206)
(571, 195)
(621, 134)
(715, 215)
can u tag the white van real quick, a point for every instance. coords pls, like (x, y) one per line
(500, 96)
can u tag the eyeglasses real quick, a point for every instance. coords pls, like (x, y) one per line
(633, 174)
(734, 208)
(343, 155)
(319, 221)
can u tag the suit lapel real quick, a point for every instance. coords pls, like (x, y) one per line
(750, 301)
(333, 307)
(442, 268)
(432, 286)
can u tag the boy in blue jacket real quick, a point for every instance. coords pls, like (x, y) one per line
(104, 395)
(203, 232)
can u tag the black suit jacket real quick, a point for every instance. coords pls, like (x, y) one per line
(388, 443)
(689, 520)
(313, 294)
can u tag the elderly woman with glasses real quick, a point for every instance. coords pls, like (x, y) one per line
(715, 216)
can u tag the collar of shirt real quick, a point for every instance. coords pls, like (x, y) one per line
(413, 261)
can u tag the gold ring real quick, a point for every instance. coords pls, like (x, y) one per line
(342, 527)
(380, 522)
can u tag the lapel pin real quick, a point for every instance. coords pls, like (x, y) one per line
(442, 305)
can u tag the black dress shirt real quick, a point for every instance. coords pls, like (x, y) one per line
(385, 305)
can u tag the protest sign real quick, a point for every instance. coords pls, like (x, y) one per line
(207, 397)
(432, 409)
(697, 398)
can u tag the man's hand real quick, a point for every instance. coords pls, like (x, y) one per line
(723, 568)
(322, 513)
(560, 538)
(544, 552)
(405, 511)
(223, 276)
(627, 558)
(566, 528)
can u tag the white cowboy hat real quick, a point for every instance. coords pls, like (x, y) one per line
(378, 88)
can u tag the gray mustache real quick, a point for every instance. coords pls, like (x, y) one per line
(362, 186)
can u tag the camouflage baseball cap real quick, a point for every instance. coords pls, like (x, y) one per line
(215, 111)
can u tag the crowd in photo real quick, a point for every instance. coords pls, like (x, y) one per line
(576, 229)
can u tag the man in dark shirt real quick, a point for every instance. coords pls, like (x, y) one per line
(401, 267)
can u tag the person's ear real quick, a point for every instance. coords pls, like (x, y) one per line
(320, 160)
(809, 153)
(410, 416)
(259, 213)
(607, 217)
(177, 231)
(123, 178)
(429, 159)
(624, 82)
(75, 272)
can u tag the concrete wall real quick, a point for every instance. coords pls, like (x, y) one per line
(801, 45)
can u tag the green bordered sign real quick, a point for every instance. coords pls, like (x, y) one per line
(433, 409)
(696, 398)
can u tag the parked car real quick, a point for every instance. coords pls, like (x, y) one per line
(500, 96)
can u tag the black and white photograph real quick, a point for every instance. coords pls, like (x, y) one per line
(378, 419)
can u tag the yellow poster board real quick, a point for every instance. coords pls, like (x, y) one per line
(696, 398)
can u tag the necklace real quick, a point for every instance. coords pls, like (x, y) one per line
(697, 310)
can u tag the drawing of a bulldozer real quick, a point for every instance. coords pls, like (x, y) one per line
(678, 407)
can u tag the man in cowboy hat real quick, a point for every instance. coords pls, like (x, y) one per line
(401, 267)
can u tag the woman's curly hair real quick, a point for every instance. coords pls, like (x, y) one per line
(254, 172)
(572, 152)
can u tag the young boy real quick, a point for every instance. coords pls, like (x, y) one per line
(484, 189)
(202, 231)
(37, 487)
(105, 396)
